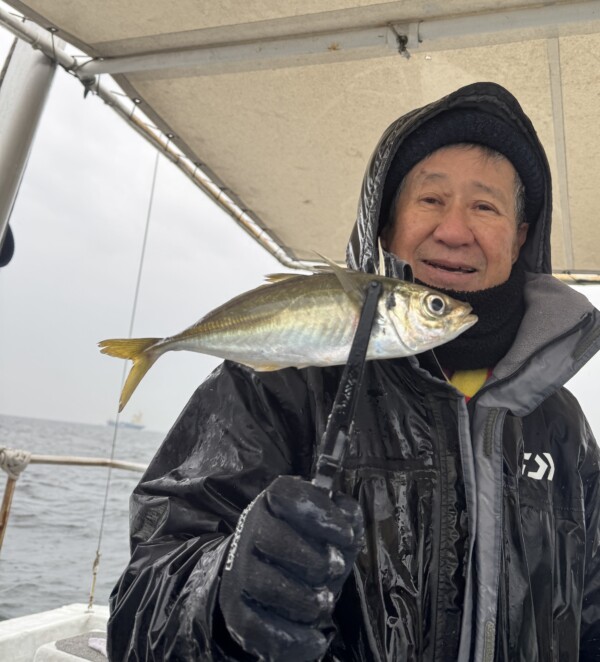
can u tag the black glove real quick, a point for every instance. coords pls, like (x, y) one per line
(292, 551)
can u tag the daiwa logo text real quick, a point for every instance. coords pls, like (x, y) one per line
(540, 466)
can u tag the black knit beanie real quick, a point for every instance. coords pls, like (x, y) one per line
(467, 125)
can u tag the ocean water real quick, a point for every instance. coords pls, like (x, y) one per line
(52, 535)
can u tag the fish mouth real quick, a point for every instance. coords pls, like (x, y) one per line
(450, 267)
(466, 316)
(468, 321)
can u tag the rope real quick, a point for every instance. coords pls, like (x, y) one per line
(116, 426)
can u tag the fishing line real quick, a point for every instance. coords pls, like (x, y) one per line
(116, 425)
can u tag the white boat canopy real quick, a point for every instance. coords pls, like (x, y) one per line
(274, 107)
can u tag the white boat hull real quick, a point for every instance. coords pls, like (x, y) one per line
(31, 638)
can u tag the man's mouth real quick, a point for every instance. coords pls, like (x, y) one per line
(453, 268)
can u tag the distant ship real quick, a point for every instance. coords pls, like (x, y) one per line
(134, 424)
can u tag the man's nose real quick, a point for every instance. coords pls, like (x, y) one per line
(454, 227)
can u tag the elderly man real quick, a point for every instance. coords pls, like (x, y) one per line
(466, 521)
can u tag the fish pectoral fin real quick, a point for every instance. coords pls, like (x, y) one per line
(349, 284)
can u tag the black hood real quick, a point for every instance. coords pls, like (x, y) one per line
(484, 98)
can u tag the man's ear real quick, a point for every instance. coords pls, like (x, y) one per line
(520, 240)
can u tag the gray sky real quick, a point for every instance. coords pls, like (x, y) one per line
(78, 226)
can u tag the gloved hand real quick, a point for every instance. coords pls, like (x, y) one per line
(292, 551)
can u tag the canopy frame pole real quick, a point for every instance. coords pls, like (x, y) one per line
(24, 88)
(165, 142)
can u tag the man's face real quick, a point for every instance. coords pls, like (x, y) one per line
(455, 221)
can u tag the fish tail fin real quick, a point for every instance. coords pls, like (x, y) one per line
(137, 350)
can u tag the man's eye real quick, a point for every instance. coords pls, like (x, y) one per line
(484, 206)
(430, 200)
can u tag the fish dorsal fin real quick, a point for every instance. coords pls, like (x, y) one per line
(351, 286)
(278, 278)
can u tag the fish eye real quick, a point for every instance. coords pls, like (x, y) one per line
(435, 304)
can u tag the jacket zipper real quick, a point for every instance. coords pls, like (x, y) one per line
(489, 635)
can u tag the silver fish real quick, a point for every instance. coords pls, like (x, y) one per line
(299, 321)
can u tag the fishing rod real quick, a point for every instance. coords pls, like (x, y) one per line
(341, 419)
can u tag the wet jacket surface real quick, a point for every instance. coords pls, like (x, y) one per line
(482, 520)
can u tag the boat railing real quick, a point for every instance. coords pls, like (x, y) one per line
(14, 461)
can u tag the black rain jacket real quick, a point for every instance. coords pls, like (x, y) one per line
(483, 520)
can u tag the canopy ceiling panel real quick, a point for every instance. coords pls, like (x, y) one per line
(294, 150)
(290, 139)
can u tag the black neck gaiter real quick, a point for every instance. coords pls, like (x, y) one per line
(500, 310)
